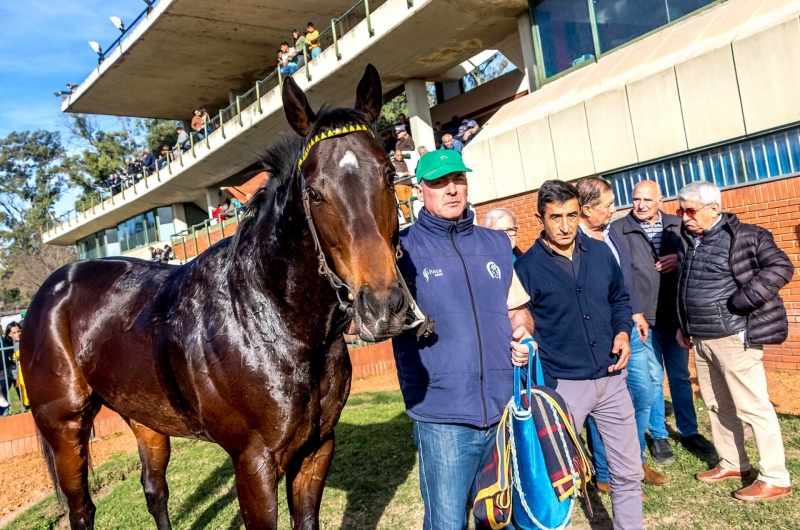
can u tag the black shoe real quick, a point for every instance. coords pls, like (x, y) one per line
(698, 445)
(662, 452)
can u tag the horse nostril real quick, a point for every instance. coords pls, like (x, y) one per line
(365, 299)
(396, 301)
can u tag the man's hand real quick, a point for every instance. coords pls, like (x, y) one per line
(642, 326)
(519, 351)
(667, 263)
(683, 340)
(621, 347)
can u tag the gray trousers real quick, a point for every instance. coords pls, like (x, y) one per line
(608, 402)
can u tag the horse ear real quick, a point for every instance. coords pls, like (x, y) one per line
(295, 105)
(369, 95)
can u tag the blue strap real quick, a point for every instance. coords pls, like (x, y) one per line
(529, 382)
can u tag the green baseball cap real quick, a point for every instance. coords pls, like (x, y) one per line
(436, 164)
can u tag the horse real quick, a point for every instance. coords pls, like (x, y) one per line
(242, 346)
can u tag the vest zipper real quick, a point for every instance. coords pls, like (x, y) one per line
(475, 315)
(685, 285)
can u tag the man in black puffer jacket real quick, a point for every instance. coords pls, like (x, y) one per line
(728, 307)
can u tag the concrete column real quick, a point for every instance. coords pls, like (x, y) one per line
(529, 58)
(419, 113)
(212, 199)
(179, 217)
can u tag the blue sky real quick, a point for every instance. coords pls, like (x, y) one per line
(43, 46)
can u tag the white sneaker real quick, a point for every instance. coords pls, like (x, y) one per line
(3, 402)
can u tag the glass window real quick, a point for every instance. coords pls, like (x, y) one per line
(681, 8)
(112, 242)
(150, 227)
(166, 227)
(621, 21)
(565, 32)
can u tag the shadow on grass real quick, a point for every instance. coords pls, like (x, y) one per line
(370, 464)
(210, 487)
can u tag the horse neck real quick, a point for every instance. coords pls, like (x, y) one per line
(283, 265)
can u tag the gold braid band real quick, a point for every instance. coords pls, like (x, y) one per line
(347, 129)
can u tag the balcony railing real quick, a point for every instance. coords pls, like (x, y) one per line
(230, 116)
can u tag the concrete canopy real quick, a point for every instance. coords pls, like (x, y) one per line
(398, 57)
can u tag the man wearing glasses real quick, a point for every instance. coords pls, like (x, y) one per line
(729, 276)
(504, 220)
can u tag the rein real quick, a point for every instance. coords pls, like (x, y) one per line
(417, 318)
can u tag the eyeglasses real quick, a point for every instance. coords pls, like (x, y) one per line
(690, 212)
(511, 231)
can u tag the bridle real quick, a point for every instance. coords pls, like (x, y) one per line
(344, 293)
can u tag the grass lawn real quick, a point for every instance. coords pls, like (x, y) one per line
(373, 484)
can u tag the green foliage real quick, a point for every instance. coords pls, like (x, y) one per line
(393, 108)
(492, 68)
(157, 133)
(33, 175)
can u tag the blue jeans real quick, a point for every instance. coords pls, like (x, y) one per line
(289, 69)
(676, 361)
(640, 386)
(450, 459)
(315, 52)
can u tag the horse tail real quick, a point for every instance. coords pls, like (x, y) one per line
(50, 462)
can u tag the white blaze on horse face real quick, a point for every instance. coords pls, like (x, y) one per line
(349, 159)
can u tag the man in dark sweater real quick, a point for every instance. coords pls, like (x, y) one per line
(729, 307)
(583, 318)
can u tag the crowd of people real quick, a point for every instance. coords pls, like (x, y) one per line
(292, 57)
(159, 255)
(612, 306)
(11, 376)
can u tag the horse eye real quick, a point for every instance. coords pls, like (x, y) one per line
(314, 196)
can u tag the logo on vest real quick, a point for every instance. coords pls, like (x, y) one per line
(431, 272)
(494, 270)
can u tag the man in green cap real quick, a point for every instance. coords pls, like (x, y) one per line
(457, 381)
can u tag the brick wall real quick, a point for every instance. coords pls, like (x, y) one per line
(774, 205)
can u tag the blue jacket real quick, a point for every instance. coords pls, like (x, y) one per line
(460, 275)
(576, 319)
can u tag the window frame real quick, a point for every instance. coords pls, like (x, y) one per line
(539, 54)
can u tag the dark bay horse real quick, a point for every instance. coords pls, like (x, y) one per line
(243, 346)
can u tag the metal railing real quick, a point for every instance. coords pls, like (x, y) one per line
(105, 51)
(226, 117)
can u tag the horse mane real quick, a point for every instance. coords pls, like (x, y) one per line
(280, 162)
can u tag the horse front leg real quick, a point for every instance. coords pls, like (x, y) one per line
(305, 482)
(257, 487)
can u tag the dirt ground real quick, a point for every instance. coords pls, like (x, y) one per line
(23, 480)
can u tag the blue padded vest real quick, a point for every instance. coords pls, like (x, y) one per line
(459, 274)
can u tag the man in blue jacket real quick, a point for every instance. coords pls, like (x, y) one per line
(457, 381)
(583, 324)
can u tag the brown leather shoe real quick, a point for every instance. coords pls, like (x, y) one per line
(653, 477)
(719, 473)
(761, 491)
(605, 487)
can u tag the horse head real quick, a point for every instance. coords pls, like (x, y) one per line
(347, 183)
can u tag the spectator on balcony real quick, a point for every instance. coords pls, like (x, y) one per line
(209, 125)
(198, 125)
(422, 150)
(404, 140)
(389, 141)
(437, 126)
(165, 157)
(402, 120)
(288, 59)
(402, 182)
(217, 214)
(312, 40)
(472, 129)
(450, 143)
(462, 129)
(153, 254)
(148, 161)
(299, 45)
(167, 255)
(183, 139)
(114, 183)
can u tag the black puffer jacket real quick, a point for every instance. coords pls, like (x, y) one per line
(760, 269)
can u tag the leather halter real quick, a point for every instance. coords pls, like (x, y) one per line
(418, 319)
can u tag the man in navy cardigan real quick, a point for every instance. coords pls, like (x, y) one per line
(583, 320)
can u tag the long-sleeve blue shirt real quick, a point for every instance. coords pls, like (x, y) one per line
(576, 316)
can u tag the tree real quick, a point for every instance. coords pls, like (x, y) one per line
(392, 109)
(33, 175)
(101, 152)
(157, 133)
(492, 68)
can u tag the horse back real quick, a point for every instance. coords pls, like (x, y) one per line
(90, 328)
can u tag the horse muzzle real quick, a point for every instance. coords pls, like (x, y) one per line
(379, 315)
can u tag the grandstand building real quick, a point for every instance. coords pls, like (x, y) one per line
(670, 90)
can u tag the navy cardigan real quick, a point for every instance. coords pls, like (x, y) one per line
(576, 320)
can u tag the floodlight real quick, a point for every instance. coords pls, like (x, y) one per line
(62, 93)
(96, 47)
(72, 87)
(118, 23)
